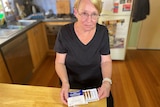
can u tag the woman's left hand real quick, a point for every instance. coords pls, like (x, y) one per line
(104, 90)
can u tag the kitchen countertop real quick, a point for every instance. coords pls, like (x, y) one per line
(12, 95)
(3, 41)
(52, 19)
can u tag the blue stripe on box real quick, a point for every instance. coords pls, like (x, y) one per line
(76, 93)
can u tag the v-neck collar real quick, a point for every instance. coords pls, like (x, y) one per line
(80, 42)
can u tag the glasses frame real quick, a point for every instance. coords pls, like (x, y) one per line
(85, 15)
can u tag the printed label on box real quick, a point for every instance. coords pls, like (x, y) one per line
(82, 97)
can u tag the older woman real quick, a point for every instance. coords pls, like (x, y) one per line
(82, 52)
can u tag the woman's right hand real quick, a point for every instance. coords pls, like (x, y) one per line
(64, 92)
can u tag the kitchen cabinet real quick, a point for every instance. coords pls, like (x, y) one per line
(52, 29)
(4, 75)
(17, 57)
(38, 44)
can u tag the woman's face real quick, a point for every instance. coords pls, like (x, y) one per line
(87, 15)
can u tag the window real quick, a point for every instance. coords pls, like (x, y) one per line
(6, 7)
(1, 7)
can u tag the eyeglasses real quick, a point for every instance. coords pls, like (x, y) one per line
(85, 15)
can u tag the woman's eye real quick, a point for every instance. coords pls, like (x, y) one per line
(94, 14)
(84, 13)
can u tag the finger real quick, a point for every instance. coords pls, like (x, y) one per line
(63, 97)
(103, 96)
(103, 93)
(100, 93)
(64, 100)
(106, 88)
(66, 97)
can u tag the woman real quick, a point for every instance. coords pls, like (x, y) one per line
(82, 52)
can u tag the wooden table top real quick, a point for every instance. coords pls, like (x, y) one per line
(12, 95)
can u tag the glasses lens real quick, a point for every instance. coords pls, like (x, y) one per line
(85, 15)
(95, 16)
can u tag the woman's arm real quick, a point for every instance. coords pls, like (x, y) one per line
(62, 73)
(106, 66)
(60, 67)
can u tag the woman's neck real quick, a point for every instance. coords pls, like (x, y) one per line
(80, 30)
(84, 36)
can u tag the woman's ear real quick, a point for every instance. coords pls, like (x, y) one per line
(75, 12)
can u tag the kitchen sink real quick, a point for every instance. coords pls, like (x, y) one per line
(26, 22)
(10, 29)
(6, 33)
(15, 27)
(20, 24)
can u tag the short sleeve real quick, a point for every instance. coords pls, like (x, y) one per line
(59, 44)
(105, 47)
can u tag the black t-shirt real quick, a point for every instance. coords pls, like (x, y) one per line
(83, 62)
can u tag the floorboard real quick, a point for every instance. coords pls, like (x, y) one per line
(136, 80)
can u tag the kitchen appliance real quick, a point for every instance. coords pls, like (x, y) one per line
(116, 15)
(52, 31)
(18, 60)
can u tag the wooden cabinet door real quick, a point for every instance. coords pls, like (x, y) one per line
(32, 39)
(42, 41)
(38, 44)
(4, 76)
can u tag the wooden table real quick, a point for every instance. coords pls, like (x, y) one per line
(12, 95)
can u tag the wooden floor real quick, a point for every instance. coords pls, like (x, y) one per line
(136, 81)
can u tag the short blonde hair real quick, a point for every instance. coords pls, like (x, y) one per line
(96, 3)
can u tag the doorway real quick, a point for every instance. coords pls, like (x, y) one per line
(149, 36)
